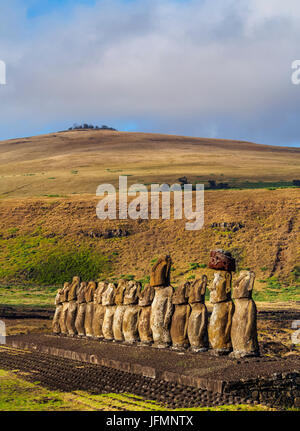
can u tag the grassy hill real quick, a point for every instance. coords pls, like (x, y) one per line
(49, 230)
(76, 162)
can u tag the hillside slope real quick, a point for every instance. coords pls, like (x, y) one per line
(76, 162)
(39, 235)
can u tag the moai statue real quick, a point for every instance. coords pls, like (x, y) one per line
(64, 312)
(144, 327)
(180, 318)
(89, 312)
(72, 309)
(244, 329)
(99, 310)
(219, 328)
(81, 309)
(198, 320)
(108, 300)
(132, 310)
(162, 308)
(119, 313)
(58, 311)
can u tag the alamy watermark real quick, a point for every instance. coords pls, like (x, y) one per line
(2, 73)
(188, 202)
(296, 73)
(2, 332)
(296, 334)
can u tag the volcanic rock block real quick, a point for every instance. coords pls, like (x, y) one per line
(180, 318)
(108, 300)
(89, 312)
(65, 306)
(219, 329)
(160, 272)
(161, 314)
(119, 313)
(58, 311)
(99, 310)
(198, 320)
(132, 310)
(244, 328)
(81, 309)
(72, 309)
(144, 328)
(221, 260)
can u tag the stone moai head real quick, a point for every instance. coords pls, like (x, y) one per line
(102, 286)
(181, 294)
(132, 292)
(76, 279)
(220, 288)
(119, 298)
(198, 290)
(146, 296)
(90, 290)
(243, 286)
(108, 296)
(160, 272)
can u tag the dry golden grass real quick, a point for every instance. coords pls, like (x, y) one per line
(78, 161)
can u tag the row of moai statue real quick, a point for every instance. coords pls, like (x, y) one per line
(160, 316)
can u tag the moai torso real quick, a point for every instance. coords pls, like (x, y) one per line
(58, 310)
(81, 309)
(180, 318)
(144, 328)
(108, 300)
(65, 306)
(131, 315)
(72, 309)
(219, 328)
(244, 328)
(89, 312)
(99, 310)
(119, 312)
(198, 320)
(162, 308)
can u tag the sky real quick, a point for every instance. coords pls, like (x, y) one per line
(218, 69)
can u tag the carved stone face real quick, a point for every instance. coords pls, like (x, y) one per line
(119, 298)
(197, 290)
(220, 288)
(108, 297)
(76, 279)
(146, 296)
(243, 286)
(132, 292)
(102, 286)
(160, 273)
(180, 295)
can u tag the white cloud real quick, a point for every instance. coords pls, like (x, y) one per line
(184, 67)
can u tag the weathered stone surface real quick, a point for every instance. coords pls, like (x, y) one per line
(99, 310)
(58, 311)
(108, 300)
(119, 313)
(64, 312)
(180, 318)
(221, 260)
(160, 272)
(81, 308)
(72, 308)
(219, 329)
(244, 327)
(132, 310)
(198, 320)
(161, 314)
(144, 327)
(89, 311)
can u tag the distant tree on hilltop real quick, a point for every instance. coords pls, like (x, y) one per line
(86, 126)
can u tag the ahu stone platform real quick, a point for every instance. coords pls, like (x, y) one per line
(264, 379)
